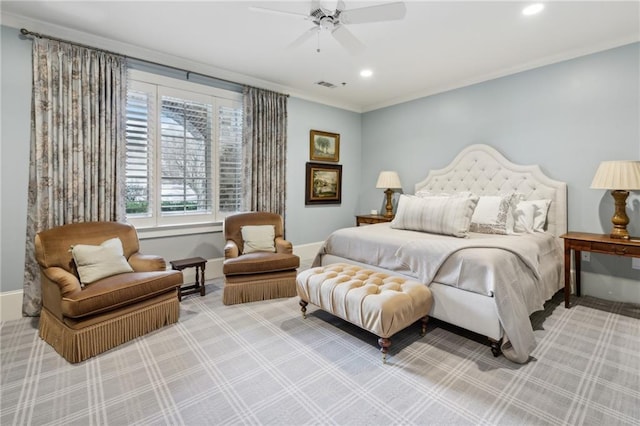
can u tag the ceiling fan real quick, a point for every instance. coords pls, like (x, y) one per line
(335, 20)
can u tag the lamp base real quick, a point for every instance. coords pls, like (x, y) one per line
(389, 205)
(620, 219)
(622, 235)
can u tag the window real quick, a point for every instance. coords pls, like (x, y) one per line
(184, 152)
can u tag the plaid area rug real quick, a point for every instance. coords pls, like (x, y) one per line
(262, 363)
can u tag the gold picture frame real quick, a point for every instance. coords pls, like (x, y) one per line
(324, 146)
(323, 184)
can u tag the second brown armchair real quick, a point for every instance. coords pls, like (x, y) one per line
(259, 263)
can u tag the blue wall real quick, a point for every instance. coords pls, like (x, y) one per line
(15, 123)
(312, 223)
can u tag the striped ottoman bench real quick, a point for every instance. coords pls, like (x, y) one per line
(380, 303)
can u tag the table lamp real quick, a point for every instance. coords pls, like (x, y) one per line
(388, 180)
(620, 177)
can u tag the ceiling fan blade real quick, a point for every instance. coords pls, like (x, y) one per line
(382, 12)
(348, 40)
(278, 12)
(304, 37)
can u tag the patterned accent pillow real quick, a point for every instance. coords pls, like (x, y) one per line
(438, 215)
(491, 215)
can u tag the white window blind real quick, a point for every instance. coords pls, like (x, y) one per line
(186, 134)
(230, 158)
(184, 152)
(139, 179)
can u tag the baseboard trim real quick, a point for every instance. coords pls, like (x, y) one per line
(10, 305)
(307, 252)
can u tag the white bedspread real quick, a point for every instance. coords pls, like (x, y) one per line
(425, 257)
(520, 271)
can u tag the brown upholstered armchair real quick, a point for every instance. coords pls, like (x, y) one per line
(83, 320)
(259, 263)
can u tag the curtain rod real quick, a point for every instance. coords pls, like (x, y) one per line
(28, 33)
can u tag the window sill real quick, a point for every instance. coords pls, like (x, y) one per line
(178, 230)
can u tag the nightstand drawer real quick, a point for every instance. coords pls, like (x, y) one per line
(370, 219)
(582, 245)
(615, 249)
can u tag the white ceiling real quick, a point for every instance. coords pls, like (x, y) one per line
(438, 45)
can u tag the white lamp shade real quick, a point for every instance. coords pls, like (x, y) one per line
(617, 175)
(388, 179)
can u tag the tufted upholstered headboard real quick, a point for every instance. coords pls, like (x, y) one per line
(484, 171)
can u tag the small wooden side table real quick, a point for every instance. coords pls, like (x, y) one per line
(192, 262)
(369, 219)
(595, 243)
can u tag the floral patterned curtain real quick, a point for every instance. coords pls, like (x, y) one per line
(264, 150)
(77, 150)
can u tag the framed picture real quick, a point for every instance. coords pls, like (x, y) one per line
(323, 184)
(324, 146)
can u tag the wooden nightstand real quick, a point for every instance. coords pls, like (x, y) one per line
(595, 243)
(368, 219)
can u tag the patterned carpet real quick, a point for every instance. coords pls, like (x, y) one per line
(261, 363)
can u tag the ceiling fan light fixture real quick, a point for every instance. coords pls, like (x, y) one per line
(327, 23)
(533, 9)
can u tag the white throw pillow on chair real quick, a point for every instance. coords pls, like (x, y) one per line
(96, 262)
(258, 238)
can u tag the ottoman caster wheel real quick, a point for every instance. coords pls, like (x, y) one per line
(303, 308)
(384, 348)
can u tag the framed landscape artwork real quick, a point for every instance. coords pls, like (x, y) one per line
(324, 146)
(323, 184)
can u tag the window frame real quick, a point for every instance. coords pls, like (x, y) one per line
(159, 85)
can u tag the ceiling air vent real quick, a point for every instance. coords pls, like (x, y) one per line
(326, 84)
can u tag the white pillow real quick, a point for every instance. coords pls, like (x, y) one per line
(540, 216)
(258, 238)
(533, 215)
(96, 262)
(523, 217)
(438, 215)
(491, 214)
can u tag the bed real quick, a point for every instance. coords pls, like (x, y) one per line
(490, 281)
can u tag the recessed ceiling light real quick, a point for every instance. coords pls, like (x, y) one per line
(366, 73)
(532, 9)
